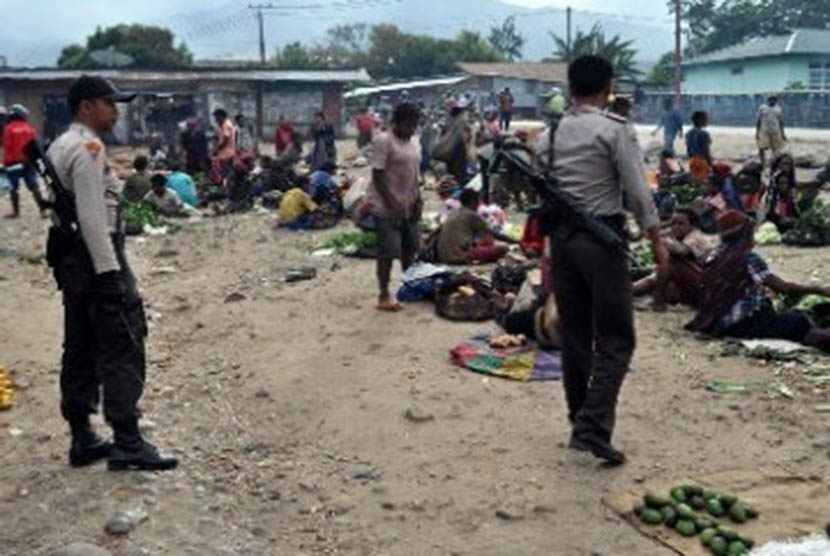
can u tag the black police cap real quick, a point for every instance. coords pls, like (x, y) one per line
(90, 87)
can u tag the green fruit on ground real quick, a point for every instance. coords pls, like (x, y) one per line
(728, 500)
(678, 495)
(669, 515)
(707, 494)
(751, 512)
(686, 527)
(693, 490)
(651, 516)
(703, 523)
(714, 507)
(698, 503)
(727, 533)
(738, 513)
(736, 548)
(707, 535)
(684, 511)
(718, 545)
(655, 501)
(749, 542)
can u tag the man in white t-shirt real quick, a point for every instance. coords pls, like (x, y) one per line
(769, 131)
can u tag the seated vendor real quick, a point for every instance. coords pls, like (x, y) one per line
(164, 200)
(735, 285)
(688, 247)
(295, 208)
(183, 185)
(466, 237)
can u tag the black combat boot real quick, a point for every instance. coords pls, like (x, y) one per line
(15, 198)
(132, 453)
(87, 447)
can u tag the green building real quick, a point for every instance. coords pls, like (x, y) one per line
(798, 60)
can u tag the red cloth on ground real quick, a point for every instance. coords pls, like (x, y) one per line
(487, 252)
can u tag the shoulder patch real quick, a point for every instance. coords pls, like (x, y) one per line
(615, 117)
(93, 148)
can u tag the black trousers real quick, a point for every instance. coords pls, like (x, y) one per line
(103, 349)
(594, 299)
(505, 119)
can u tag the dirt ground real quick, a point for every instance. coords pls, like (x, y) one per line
(287, 408)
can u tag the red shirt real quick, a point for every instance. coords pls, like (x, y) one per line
(17, 135)
(365, 123)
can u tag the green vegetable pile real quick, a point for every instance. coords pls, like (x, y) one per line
(812, 228)
(349, 243)
(685, 193)
(817, 307)
(642, 261)
(768, 234)
(136, 215)
(691, 511)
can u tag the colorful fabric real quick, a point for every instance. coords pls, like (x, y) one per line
(524, 364)
(754, 295)
(294, 204)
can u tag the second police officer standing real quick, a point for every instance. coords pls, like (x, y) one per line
(105, 327)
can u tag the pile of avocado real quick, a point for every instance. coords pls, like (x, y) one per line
(680, 512)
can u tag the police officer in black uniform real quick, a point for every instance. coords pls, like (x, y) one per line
(104, 322)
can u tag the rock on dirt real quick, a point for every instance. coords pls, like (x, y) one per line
(417, 415)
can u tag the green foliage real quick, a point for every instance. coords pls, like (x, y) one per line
(387, 52)
(141, 46)
(507, 40)
(795, 86)
(616, 50)
(136, 215)
(663, 72)
(715, 24)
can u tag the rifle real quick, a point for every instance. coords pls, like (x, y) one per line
(63, 203)
(559, 204)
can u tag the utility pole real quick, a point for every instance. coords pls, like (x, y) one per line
(678, 53)
(569, 16)
(261, 19)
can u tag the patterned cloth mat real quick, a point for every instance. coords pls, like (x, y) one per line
(525, 364)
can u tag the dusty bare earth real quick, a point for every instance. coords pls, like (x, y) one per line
(288, 410)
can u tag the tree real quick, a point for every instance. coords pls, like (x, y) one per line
(616, 50)
(507, 40)
(296, 56)
(141, 46)
(716, 24)
(663, 72)
(471, 47)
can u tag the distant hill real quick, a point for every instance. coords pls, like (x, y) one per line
(232, 29)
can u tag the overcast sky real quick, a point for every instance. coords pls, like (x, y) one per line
(33, 30)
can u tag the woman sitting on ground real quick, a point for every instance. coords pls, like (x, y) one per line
(735, 283)
(781, 201)
(688, 247)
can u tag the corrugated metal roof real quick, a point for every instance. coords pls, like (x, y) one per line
(536, 71)
(444, 81)
(343, 76)
(800, 41)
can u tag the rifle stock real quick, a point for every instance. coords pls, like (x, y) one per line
(562, 204)
(63, 200)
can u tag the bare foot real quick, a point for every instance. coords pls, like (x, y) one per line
(388, 306)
